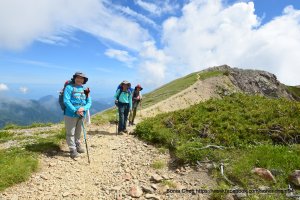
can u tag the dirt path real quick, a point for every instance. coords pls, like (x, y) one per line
(121, 165)
(118, 165)
(198, 92)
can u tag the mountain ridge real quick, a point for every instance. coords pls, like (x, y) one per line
(219, 81)
(44, 110)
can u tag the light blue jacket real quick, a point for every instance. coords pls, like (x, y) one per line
(74, 98)
(125, 97)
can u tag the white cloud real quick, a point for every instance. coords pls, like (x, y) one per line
(3, 87)
(51, 21)
(128, 11)
(208, 34)
(23, 90)
(153, 67)
(122, 56)
(159, 7)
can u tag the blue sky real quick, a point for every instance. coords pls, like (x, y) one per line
(42, 43)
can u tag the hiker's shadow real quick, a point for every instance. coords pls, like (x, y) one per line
(49, 149)
(100, 133)
(62, 153)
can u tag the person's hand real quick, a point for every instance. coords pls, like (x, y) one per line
(116, 101)
(80, 111)
(87, 92)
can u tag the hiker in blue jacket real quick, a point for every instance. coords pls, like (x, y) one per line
(123, 100)
(77, 101)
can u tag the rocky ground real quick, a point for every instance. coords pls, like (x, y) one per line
(121, 168)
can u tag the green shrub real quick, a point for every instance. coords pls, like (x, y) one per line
(237, 120)
(252, 131)
(16, 165)
(281, 160)
(5, 136)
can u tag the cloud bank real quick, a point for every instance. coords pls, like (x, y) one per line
(209, 34)
(203, 34)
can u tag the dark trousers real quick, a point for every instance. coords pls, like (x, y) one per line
(134, 109)
(132, 115)
(123, 115)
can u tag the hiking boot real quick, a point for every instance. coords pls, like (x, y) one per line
(125, 131)
(80, 149)
(132, 123)
(74, 153)
(120, 133)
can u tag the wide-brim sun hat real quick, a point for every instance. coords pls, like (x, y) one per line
(81, 75)
(139, 86)
(126, 83)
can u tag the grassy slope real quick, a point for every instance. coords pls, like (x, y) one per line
(159, 94)
(33, 125)
(169, 90)
(17, 164)
(256, 131)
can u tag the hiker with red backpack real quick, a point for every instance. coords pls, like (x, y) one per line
(77, 101)
(136, 100)
(123, 100)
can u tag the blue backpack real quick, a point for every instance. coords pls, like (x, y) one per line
(130, 90)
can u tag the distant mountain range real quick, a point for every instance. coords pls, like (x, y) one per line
(44, 110)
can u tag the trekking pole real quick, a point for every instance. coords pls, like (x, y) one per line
(141, 109)
(117, 121)
(86, 145)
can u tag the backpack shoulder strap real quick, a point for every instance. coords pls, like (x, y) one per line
(120, 92)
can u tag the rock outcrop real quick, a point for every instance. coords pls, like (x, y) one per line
(255, 82)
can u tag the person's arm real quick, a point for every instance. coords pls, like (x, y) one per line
(117, 94)
(67, 98)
